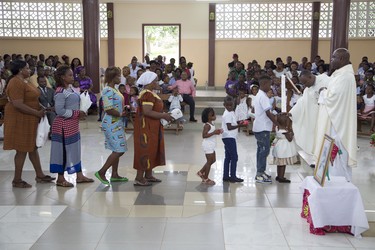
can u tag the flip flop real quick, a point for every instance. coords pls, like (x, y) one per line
(100, 179)
(141, 184)
(85, 180)
(119, 179)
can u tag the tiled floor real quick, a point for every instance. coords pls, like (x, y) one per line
(179, 213)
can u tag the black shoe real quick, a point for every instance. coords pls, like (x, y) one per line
(282, 180)
(193, 120)
(226, 179)
(235, 179)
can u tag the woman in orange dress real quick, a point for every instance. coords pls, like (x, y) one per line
(22, 114)
(148, 132)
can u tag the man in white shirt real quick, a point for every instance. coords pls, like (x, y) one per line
(262, 128)
(338, 115)
(134, 68)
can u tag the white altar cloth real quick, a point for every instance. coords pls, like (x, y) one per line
(338, 203)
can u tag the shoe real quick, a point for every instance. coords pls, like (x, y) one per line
(282, 180)
(226, 179)
(119, 179)
(235, 179)
(100, 179)
(193, 120)
(263, 179)
(268, 176)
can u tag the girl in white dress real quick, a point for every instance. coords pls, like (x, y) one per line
(285, 151)
(208, 144)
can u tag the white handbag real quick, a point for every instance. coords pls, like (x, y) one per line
(42, 132)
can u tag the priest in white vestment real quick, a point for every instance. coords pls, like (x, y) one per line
(305, 111)
(338, 115)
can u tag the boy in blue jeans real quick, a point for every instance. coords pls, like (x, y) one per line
(262, 128)
(230, 127)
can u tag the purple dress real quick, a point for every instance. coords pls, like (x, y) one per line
(85, 84)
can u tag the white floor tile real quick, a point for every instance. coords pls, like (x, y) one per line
(21, 232)
(135, 232)
(194, 233)
(33, 214)
(266, 234)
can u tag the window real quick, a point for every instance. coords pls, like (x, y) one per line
(266, 20)
(47, 20)
(288, 20)
(162, 39)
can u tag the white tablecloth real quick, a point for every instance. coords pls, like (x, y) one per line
(338, 203)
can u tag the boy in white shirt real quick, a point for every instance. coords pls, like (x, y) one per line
(230, 127)
(262, 128)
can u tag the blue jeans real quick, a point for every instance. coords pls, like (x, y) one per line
(231, 158)
(263, 149)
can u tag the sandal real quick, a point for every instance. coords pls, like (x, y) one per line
(201, 175)
(208, 182)
(45, 179)
(64, 184)
(84, 180)
(105, 182)
(152, 179)
(21, 184)
(143, 183)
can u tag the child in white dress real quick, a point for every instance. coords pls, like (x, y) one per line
(208, 144)
(285, 150)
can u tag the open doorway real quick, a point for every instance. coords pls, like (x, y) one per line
(162, 39)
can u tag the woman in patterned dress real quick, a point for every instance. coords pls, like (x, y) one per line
(112, 125)
(22, 114)
(148, 131)
(66, 138)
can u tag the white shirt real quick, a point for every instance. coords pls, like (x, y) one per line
(369, 101)
(229, 117)
(279, 74)
(261, 104)
(133, 72)
(175, 102)
(241, 110)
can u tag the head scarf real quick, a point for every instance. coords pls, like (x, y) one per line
(146, 78)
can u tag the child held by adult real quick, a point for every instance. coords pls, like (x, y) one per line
(208, 144)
